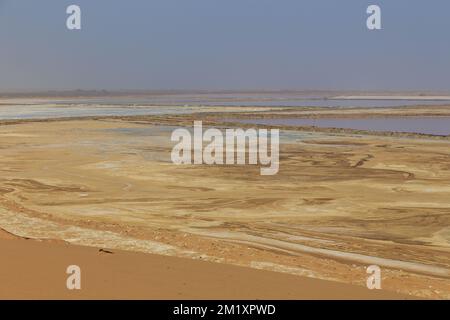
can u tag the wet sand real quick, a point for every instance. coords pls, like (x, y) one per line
(340, 202)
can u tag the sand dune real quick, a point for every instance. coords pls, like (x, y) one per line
(25, 273)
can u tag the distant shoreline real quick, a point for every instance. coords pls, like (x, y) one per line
(393, 97)
(320, 94)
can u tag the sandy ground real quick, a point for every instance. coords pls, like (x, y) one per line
(26, 273)
(340, 203)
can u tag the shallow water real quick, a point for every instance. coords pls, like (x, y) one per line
(236, 99)
(272, 102)
(425, 125)
(178, 104)
(48, 111)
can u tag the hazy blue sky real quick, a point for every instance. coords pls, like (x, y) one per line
(225, 44)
